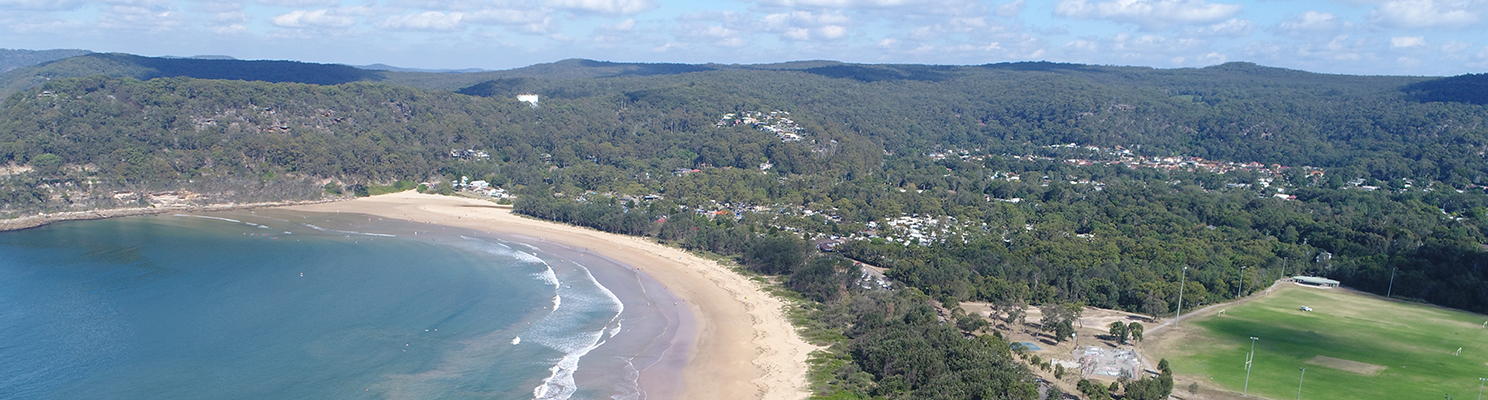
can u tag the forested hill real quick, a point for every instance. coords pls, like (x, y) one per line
(1013, 183)
(145, 68)
(12, 59)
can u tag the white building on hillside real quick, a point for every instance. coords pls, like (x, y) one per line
(528, 98)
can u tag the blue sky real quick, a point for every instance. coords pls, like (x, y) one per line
(1384, 37)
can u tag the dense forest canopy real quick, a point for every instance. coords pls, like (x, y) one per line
(1016, 184)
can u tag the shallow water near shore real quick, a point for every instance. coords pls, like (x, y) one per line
(279, 304)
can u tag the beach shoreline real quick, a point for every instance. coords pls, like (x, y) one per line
(43, 219)
(742, 345)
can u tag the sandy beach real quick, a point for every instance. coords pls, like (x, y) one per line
(745, 347)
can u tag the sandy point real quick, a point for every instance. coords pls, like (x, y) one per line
(745, 346)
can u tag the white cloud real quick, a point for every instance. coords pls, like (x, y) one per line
(797, 33)
(428, 20)
(1148, 44)
(1427, 13)
(994, 46)
(800, 25)
(214, 6)
(1010, 9)
(1082, 45)
(1312, 21)
(538, 27)
(1234, 27)
(47, 26)
(1149, 13)
(1341, 48)
(41, 5)
(299, 3)
(137, 18)
(506, 16)
(717, 31)
(312, 19)
(845, 3)
(1455, 47)
(625, 25)
(832, 31)
(669, 47)
(234, 29)
(804, 17)
(1407, 41)
(616, 7)
(967, 24)
(231, 16)
(1213, 58)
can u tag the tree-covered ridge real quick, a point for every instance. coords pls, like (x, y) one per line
(146, 68)
(1364, 126)
(11, 59)
(1470, 89)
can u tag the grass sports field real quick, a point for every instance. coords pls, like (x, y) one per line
(1353, 346)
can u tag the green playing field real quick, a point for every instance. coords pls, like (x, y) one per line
(1353, 347)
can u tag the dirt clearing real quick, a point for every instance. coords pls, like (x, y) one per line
(1347, 365)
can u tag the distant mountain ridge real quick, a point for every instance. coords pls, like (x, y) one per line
(14, 58)
(30, 68)
(146, 68)
(385, 67)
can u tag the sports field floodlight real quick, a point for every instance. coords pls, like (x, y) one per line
(1480, 387)
(1240, 288)
(1299, 383)
(1391, 290)
(1181, 281)
(1250, 358)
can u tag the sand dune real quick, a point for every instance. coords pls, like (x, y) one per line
(745, 347)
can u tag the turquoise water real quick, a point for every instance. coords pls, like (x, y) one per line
(314, 306)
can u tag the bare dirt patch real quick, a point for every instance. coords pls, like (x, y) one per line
(1347, 365)
(12, 169)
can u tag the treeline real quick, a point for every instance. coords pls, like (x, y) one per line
(1124, 245)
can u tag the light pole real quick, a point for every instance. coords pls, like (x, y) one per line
(1299, 383)
(1181, 281)
(1480, 387)
(1250, 358)
(1240, 288)
(1392, 284)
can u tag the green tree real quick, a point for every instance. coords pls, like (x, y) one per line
(1119, 331)
(47, 164)
(777, 254)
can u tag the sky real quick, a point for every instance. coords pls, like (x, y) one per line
(1371, 37)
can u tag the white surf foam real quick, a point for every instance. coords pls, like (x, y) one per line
(346, 232)
(560, 383)
(584, 315)
(632, 390)
(210, 217)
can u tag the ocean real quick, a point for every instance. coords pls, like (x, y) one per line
(298, 305)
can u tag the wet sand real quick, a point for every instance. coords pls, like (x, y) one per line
(742, 346)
